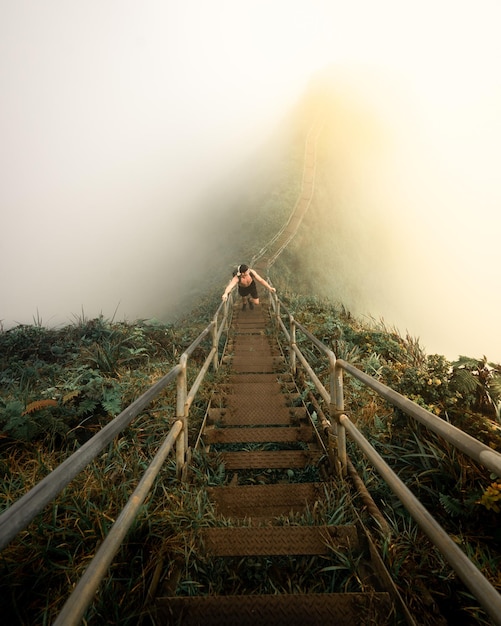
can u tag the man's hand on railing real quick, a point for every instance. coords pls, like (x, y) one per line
(224, 297)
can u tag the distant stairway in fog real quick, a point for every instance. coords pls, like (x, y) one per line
(265, 258)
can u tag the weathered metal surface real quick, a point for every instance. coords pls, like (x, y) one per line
(270, 402)
(278, 540)
(251, 416)
(265, 501)
(274, 434)
(258, 389)
(258, 364)
(312, 609)
(282, 459)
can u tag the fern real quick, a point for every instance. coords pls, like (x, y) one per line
(88, 405)
(465, 381)
(112, 400)
(38, 405)
(14, 423)
(453, 506)
(70, 396)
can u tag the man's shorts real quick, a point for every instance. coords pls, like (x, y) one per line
(251, 290)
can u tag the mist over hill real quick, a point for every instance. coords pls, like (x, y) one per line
(386, 234)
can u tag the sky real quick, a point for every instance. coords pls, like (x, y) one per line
(120, 118)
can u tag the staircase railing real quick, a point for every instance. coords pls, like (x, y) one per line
(474, 580)
(17, 517)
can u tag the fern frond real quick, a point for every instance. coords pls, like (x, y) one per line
(495, 387)
(452, 505)
(70, 395)
(37, 405)
(465, 381)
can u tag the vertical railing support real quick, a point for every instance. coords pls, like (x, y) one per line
(182, 440)
(277, 311)
(333, 436)
(226, 308)
(339, 410)
(292, 345)
(215, 358)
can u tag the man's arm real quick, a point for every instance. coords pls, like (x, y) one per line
(262, 281)
(229, 287)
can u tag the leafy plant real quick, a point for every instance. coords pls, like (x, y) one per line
(478, 384)
(491, 497)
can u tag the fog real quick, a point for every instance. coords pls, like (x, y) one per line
(122, 124)
(410, 201)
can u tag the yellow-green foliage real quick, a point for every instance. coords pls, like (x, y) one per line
(37, 405)
(491, 498)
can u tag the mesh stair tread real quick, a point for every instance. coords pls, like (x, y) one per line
(281, 459)
(257, 364)
(264, 502)
(278, 540)
(258, 389)
(270, 402)
(312, 609)
(253, 416)
(275, 434)
(237, 379)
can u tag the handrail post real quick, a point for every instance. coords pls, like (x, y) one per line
(229, 303)
(215, 359)
(292, 343)
(182, 440)
(337, 381)
(334, 428)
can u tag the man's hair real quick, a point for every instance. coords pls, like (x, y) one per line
(241, 269)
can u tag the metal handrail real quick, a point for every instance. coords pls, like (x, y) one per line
(480, 587)
(82, 595)
(471, 576)
(478, 451)
(22, 512)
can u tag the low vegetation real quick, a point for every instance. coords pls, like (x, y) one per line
(59, 386)
(461, 495)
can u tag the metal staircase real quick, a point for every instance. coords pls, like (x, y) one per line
(257, 518)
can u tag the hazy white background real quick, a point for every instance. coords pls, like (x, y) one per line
(118, 118)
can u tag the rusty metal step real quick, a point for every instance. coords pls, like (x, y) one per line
(311, 609)
(256, 342)
(258, 389)
(245, 352)
(269, 402)
(263, 411)
(283, 459)
(278, 540)
(246, 324)
(252, 416)
(280, 377)
(257, 435)
(263, 364)
(265, 501)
